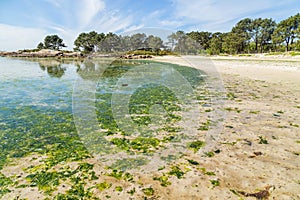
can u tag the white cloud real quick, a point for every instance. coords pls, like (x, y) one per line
(132, 29)
(67, 35)
(216, 14)
(15, 37)
(112, 21)
(56, 3)
(88, 9)
(171, 23)
(212, 10)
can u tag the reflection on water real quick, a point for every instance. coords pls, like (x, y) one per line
(38, 117)
(36, 104)
(54, 70)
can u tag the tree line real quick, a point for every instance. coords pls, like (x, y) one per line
(247, 36)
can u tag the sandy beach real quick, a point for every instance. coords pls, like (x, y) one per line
(264, 104)
(257, 153)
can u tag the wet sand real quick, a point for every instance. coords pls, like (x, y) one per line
(259, 144)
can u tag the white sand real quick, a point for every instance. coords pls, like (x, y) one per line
(267, 104)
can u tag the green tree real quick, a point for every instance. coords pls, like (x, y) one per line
(125, 43)
(110, 43)
(242, 32)
(184, 44)
(53, 42)
(172, 41)
(178, 41)
(216, 43)
(40, 46)
(154, 42)
(287, 31)
(262, 30)
(232, 43)
(137, 41)
(88, 42)
(267, 29)
(203, 38)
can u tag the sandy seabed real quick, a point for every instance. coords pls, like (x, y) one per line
(259, 144)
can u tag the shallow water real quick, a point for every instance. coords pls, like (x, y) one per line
(128, 117)
(36, 113)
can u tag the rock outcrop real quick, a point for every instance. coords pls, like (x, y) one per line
(134, 56)
(44, 53)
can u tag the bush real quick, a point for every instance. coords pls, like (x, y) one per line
(294, 53)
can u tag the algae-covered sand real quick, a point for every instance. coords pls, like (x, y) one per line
(256, 157)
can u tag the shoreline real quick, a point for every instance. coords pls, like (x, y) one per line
(258, 148)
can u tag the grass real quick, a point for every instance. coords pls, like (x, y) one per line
(274, 53)
(153, 53)
(245, 55)
(293, 53)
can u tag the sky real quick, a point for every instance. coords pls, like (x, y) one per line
(25, 23)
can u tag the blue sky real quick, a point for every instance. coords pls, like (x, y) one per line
(24, 23)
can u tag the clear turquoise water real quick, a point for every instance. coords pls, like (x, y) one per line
(35, 107)
(65, 111)
(36, 113)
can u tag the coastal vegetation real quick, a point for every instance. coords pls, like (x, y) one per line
(53, 42)
(43, 155)
(247, 36)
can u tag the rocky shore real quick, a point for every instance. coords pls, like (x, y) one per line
(135, 56)
(47, 53)
(44, 53)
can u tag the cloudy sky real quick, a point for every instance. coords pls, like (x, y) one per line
(24, 23)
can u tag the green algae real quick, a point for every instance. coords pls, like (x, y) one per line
(148, 191)
(103, 186)
(196, 145)
(164, 180)
(50, 131)
(5, 182)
